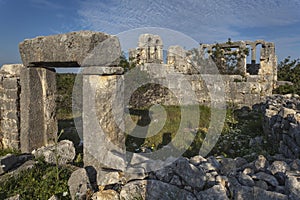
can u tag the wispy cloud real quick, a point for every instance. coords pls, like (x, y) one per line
(46, 4)
(212, 20)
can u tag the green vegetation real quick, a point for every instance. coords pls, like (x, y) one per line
(227, 59)
(289, 70)
(39, 182)
(238, 129)
(64, 84)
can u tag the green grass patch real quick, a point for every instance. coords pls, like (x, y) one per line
(39, 182)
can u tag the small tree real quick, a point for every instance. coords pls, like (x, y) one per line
(289, 70)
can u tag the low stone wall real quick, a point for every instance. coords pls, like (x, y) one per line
(176, 86)
(195, 179)
(282, 123)
(10, 106)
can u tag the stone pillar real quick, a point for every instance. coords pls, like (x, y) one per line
(10, 106)
(38, 108)
(103, 108)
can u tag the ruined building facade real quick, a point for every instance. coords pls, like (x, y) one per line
(245, 85)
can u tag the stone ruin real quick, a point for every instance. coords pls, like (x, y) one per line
(28, 120)
(246, 85)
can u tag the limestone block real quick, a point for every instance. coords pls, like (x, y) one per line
(79, 184)
(217, 192)
(153, 189)
(82, 48)
(104, 140)
(13, 69)
(38, 108)
(64, 149)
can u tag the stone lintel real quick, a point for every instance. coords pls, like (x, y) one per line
(102, 70)
(75, 49)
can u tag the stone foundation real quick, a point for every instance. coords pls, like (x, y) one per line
(282, 123)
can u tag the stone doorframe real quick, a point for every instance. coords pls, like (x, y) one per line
(38, 81)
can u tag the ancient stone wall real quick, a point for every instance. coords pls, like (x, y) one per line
(282, 123)
(10, 106)
(193, 69)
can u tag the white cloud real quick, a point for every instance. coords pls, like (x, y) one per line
(206, 21)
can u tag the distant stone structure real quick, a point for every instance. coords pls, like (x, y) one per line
(149, 50)
(246, 85)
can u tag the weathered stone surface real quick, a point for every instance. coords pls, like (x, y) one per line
(189, 173)
(7, 162)
(153, 189)
(38, 108)
(279, 166)
(196, 160)
(13, 69)
(292, 185)
(217, 192)
(266, 177)
(108, 177)
(100, 70)
(104, 141)
(78, 184)
(64, 152)
(261, 163)
(53, 197)
(261, 194)
(228, 166)
(246, 180)
(106, 195)
(82, 48)
(16, 197)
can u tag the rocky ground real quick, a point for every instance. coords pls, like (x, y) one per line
(262, 177)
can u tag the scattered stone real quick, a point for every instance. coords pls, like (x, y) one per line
(16, 197)
(292, 185)
(228, 166)
(7, 162)
(246, 180)
(64, 152)
(106, 195)
(266, 177)
(196, 160)
(261, 194)
(217, 192)
(153, 189)
(53, 197)
(261, 163)
(261, 184)
(189, 173)
(278, 166)
(79, 184)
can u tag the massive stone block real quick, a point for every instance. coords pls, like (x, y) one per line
(38, 108)
(104, 140)
(82, 48)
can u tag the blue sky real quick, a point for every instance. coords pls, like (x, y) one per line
(206, 21)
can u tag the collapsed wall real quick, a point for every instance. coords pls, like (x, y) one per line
(282, 123)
